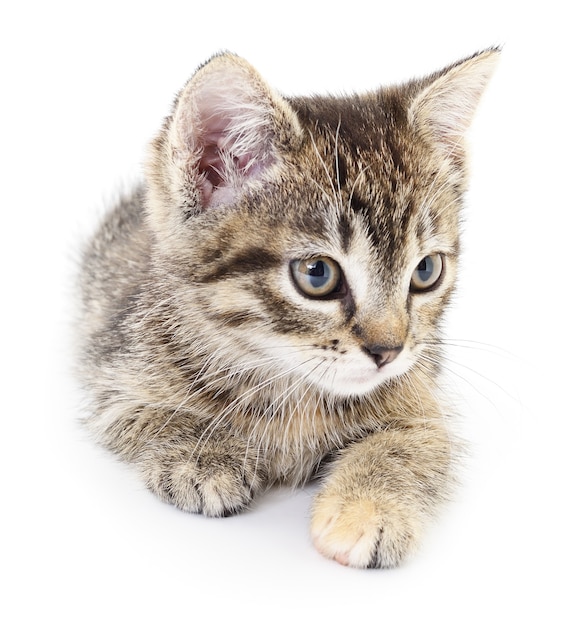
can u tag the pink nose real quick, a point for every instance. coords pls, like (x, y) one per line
(382, 355)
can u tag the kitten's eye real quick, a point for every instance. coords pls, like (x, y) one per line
(427, 273)
(317, 277)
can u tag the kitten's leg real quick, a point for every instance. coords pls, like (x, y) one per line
(379, 494)
(198, 469)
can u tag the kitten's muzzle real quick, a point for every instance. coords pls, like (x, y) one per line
(382, 355)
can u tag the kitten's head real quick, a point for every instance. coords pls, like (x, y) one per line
(312, 241)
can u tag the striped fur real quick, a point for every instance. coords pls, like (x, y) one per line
(213, 372)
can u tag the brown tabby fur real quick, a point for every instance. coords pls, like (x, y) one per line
(214, 374)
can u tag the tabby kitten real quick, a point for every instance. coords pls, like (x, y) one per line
(267, 306)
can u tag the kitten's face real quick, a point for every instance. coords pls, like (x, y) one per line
(315, 241)
(334, 282)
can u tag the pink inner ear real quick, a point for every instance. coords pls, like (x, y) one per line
(211, 162)
(225, 131)
(223, 172)
(224, 163)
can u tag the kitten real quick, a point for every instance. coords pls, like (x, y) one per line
(267, 306)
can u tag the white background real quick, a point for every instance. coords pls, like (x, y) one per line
(83, 88)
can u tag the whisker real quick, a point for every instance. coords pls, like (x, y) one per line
(241, 401)
(211, 374)
(443, 363)
(470, 344)
(337, 159)
(361, 172)
(277, 407)
(336, 199)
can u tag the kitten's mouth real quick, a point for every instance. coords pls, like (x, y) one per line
(358, 379)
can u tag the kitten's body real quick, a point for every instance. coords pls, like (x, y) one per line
(220, 354)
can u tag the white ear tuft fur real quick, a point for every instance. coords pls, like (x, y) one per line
(444, 109)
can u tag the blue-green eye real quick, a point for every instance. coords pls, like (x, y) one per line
(317, 277)
(427, 273)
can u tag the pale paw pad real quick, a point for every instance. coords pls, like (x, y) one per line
(361, 532)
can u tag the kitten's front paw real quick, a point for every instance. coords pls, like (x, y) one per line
(361, 532)
(217, 482)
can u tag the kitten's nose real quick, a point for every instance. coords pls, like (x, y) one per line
(382, 355)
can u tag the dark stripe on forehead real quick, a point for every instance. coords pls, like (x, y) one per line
(386, 225)
(345, 230)
(358, 204)
(341, 170)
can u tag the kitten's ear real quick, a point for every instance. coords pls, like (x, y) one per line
(226, 133)
(443, 109)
